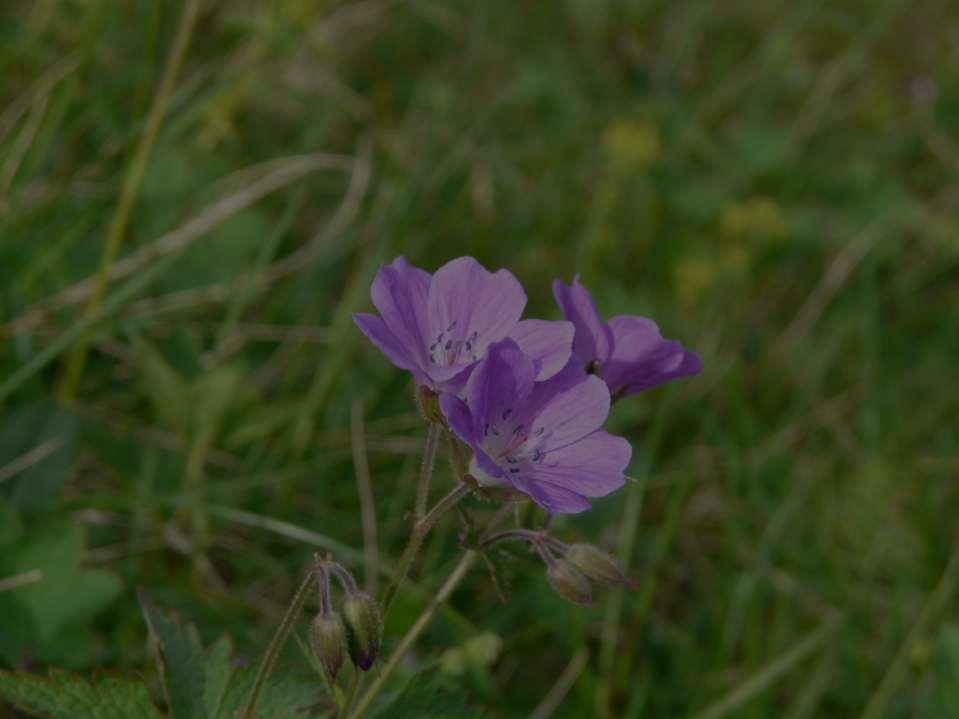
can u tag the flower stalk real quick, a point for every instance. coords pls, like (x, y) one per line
(273, 651)
(420, 530)
(452, 581)
(426, 469)
(526, 535)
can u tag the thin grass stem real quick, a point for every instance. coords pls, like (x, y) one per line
(364, 490)
(128, 194)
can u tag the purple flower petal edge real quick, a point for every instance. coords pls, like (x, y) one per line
(543, 438)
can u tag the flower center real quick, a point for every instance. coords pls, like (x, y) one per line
(512, 444)
(448, 349)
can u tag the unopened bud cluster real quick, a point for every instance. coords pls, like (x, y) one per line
(571, 575)
(356, 630)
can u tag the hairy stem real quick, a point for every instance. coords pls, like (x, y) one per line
(364, 487)
(528, 535)
(420, 530)
(460, 463)
(350, 693)
(286, 626)
(418, 626)
(426, 470)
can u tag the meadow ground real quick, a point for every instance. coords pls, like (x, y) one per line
(182, 388)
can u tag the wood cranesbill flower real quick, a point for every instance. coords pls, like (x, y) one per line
(541, 438)
(628, 352)
(439, 326)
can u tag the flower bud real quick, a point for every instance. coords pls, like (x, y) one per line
(329, 642)
(364, 628)
(569, 582)
(596, 564)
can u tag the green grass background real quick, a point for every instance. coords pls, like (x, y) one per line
(775, 183)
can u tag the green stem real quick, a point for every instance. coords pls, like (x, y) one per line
(286, 626)
(527, 535)
(420, 530)
(414, 632)
(426, 470)
(460, 462)
(350, 693)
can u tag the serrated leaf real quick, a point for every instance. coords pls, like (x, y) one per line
(206, 685)
(218, 675)
(180, 660)
(427, 697)
(68, 696)
(283, 697)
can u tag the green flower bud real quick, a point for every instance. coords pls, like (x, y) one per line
(329, 642)
(569, 582)
(364, 628)
(596, 564)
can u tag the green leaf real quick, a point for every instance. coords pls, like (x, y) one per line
(943, 700)
(53, 629)
(427, 697)
(205, 685)
(180, 660)
(67, 696)
(285, 695)
(218, 676)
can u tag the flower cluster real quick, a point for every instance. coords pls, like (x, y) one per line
(529, 396)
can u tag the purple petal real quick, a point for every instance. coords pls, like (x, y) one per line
(593, 340)
(459, 418)
(450, 379)
(548, 344)
(379, 334)
(593, 466)
(499, 383)
(400, 292)
(574, 413)
(469, 303)
(486, 463)
(554, 499)
(641, 358)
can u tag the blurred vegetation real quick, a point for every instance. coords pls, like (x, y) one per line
(775, 183)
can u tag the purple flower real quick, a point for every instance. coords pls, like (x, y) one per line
(541, 438)
(628, 352)
(439, 326)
